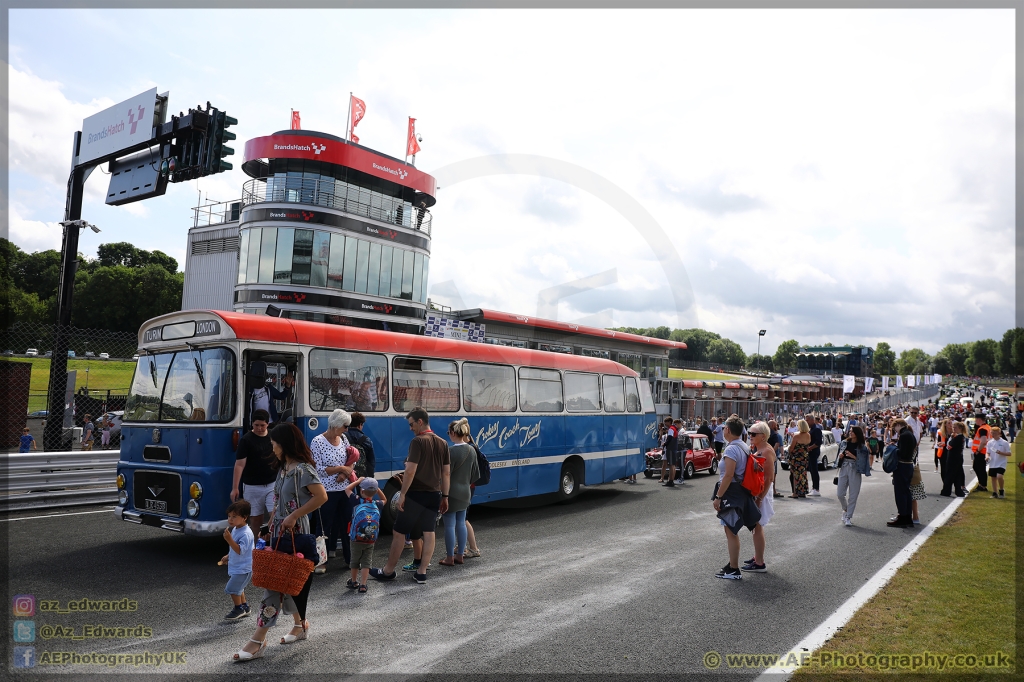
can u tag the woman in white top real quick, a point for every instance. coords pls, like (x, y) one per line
(997, 452)
(330, 452)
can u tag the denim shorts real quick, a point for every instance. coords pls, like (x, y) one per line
(237, 583)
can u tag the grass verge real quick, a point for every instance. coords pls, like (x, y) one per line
(956, 596)
(113, 375)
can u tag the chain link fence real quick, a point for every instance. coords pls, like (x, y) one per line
(100, 366)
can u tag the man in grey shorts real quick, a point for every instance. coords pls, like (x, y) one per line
(254, 470)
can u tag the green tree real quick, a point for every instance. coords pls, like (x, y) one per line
(941, 365)
(1005, 360)
(885, 358)
(912, 359)
(981, 357)
(785, 355)
(697, 342)
(956, 355)
(726, 352)
(762, 362)
(1017, 354)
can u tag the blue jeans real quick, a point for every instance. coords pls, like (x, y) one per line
(455, 524)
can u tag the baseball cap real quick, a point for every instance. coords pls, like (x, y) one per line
(368, 484)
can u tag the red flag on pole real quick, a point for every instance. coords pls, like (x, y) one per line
(357, 109)
(296, 123)
(355, 138)
(412, 145)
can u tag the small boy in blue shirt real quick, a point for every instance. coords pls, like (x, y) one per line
(239, 559)
(363, 537)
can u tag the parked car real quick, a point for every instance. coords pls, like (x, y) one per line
(48, 354)
(828, 456)
(38, 414)
(31, 352)
(115, 422)
(104, 356)
(71, 354)
(8, 352)
(89, 354)
(698, 455)
(135, 357)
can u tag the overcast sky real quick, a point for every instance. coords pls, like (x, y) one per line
(827, 175)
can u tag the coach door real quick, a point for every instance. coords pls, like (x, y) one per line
(273, 370)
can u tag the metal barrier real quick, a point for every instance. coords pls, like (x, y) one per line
(58, 479)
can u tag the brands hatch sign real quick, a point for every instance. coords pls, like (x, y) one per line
(119, 127)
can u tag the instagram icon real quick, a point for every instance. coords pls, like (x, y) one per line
(24, 605)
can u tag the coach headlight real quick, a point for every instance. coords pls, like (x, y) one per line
(120, 481)
(122, 498)
(192, 508)
(195, 490)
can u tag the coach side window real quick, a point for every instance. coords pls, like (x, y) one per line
(346, 380)
(614, 398)
(430, 384)
(540, 390)
(582, 392)
(488, 388)
(632, 395)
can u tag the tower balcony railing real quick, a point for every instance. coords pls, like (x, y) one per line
(320, 193)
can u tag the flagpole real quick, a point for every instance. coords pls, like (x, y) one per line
(348, 118)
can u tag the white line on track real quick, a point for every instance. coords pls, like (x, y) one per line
(50, 516)
(841, 616)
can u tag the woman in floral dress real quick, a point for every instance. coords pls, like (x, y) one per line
(297, 492)
(798, 459)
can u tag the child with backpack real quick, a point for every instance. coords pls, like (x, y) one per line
(363, 529)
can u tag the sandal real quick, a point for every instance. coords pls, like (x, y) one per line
(244, 655)
(362, 589)
(290, 638)
(351, 584)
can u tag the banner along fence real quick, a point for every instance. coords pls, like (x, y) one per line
(102, 368)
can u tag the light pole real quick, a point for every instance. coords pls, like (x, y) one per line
(759, 335)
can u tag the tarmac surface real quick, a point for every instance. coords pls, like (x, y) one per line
(618, 581)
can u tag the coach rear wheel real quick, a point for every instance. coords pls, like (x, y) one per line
(570, 480)
(688, 470)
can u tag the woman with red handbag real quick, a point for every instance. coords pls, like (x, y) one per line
(297, 492)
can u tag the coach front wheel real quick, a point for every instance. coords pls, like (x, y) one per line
(570, 480)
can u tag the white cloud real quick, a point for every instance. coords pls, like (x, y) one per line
(33, 235)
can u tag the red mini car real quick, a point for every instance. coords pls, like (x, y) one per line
(699, 455)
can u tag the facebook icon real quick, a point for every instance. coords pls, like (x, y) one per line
(24, 657)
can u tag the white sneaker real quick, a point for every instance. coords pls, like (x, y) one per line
(814, 493)
(842, 519)
(848, 522)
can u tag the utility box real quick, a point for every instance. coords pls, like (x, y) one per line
(135, 178)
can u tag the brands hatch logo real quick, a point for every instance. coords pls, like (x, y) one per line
(307, 215)
(311, 147)
(116, 128)
(400, 172)
(135, 121)
(378, 307)
(299, 298)
(390, 234)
